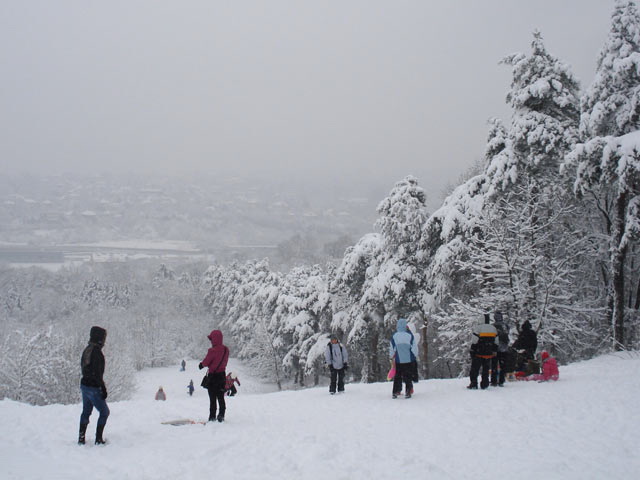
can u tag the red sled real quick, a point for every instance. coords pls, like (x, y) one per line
(392, 371)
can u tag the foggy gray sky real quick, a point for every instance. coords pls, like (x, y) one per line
(386, 87)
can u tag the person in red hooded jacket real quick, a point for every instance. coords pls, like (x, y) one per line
(549, 369)
(216, 362)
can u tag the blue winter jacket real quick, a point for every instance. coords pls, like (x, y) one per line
(403, 346)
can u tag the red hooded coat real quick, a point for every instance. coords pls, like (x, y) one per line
(217, 355)
(549, 369)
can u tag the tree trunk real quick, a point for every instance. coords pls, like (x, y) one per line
(424, 347)
(374, 366)
(618, 256)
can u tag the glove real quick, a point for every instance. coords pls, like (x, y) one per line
(345, 367)
(200, 366)
(103, 390)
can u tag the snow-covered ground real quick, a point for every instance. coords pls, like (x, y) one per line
(585, 426)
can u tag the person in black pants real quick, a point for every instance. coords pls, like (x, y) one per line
(336, 357)
(526, 345)
(483, 349)
(500, 360)
(216, 362)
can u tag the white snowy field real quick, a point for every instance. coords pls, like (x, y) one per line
(585, 426)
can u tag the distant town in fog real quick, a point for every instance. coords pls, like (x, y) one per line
(53, 220)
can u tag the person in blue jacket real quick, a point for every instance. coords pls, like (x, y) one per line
(404, 352)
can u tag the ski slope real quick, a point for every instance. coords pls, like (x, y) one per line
(585, 426)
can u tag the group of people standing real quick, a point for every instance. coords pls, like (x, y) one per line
(94, 390)
(403, 352)
(493, 358)
(490, 354)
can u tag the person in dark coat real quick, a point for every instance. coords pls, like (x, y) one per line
(483, 349)
(216, 362)
(190, 388)
(500, 360)
(526, 345)
(94, 391)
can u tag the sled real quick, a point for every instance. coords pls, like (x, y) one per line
(183, 421)
(392, 371)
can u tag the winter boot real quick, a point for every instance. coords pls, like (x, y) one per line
(99, 439)
(220, 418)
(472, 387)
(81, 435)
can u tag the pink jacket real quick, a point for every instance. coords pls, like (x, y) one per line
(549, 369)
(217, 355)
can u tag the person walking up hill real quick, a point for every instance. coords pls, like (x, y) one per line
(92, 386)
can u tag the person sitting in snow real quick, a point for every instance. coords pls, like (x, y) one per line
(190, 388)
(160, 395)
(404, 352)
(336, 357)
(483, 349)
(525, 345)
(229, 384)
(549, 369)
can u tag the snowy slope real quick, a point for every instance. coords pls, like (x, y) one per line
(586, 426)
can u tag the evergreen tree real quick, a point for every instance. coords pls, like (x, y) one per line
(606, 162)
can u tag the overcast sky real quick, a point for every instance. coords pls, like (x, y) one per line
(384, 87)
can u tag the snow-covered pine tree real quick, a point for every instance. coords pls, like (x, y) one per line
(304, 311)
(523, 159)
(350, 319)
(545, 103)
(398, 280)
(606, 162)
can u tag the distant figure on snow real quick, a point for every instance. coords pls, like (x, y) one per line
(190, 388)
(337, 358)
(404, 352)
(183, 366)
(160, 395)
(94, 391)
(483, 349)
(229, 384)
(216, 362)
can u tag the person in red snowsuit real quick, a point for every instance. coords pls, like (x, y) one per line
(549, 369)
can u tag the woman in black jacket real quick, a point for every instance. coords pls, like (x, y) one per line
(94, 391)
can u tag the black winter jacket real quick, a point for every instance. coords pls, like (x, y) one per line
(92, 363)
(92, 360)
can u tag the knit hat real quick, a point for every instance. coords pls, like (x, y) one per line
(544, 355)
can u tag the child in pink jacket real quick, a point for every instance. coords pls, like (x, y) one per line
(549, 369)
